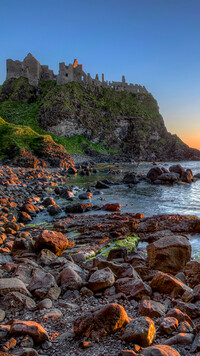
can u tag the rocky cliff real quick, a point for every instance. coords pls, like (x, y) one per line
(120, 122)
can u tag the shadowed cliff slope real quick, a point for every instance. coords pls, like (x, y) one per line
(94, 120)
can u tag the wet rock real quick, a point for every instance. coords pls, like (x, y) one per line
(111, 207)
(169, 254)
(48, 201)
(54, 209)
(164, 283)
(140, 330)
(78, 208)
(100, 321)
(130, 178)
(120, 252)
(86, 195)
(101, 279)
(31, 328)
(52, 240)
(151, 309)
(101, 185)
(160, 350)
(154, 173)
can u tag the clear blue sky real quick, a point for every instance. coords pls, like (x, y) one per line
(155, 43)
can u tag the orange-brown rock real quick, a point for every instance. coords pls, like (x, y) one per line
(164, 283)
(100, 321)
(133, 287)
(151, 308)
(140, 330)
(35, 330)
(169, 325)
(53, 241)
(192, 271)
(160, 350)
(169, 254)
(112, 207)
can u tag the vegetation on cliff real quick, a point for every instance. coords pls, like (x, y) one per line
(91, 120)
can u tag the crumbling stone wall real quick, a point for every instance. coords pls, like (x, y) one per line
(30, 68)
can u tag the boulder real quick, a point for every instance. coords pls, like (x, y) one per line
(101, 279)
(70, 279)
(164, 283)
(42, 283)
(169, 325)
(154, 173)
(12, 285)
(130, 178)
(133, 287)
(169, 254)
(51, 240)
(192, 272)
(177, 169)
(151, 308)
(140, 330)
(101, 320)
(31, 328)
(111, 207)
(160, 350)
(78, 208)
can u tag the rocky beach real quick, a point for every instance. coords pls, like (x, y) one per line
(79, 283)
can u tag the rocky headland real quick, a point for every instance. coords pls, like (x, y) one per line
(100, 122)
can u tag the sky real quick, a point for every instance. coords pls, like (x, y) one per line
(155, 43)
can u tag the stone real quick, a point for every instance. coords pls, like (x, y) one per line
(53, 241)
(120, 252)
(179, 315)
(192, 272)
(169, 254)
(78, 208)
(160, 350)
(101, 279)
(27, 351)
(31, 328)
(53, 314)
(140, 330)
(70, 279)
(164, 283)
(151, 308)
(48, 201)
(41, 283)
(196, 343)
(182, 339)
(111, 207)
(18, 301)
(101, 320)
(12, 285)
(133, 287)
(86, 195)
(130, 178)
(169, 325)
(45, 304)
(154, 173)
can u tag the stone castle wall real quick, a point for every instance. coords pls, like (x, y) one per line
(31, 69)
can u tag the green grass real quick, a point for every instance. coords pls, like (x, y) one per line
(24, 105)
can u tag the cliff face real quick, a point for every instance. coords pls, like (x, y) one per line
(123, 123)
(127, 123)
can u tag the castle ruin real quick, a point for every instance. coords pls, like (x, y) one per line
(31, 69)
